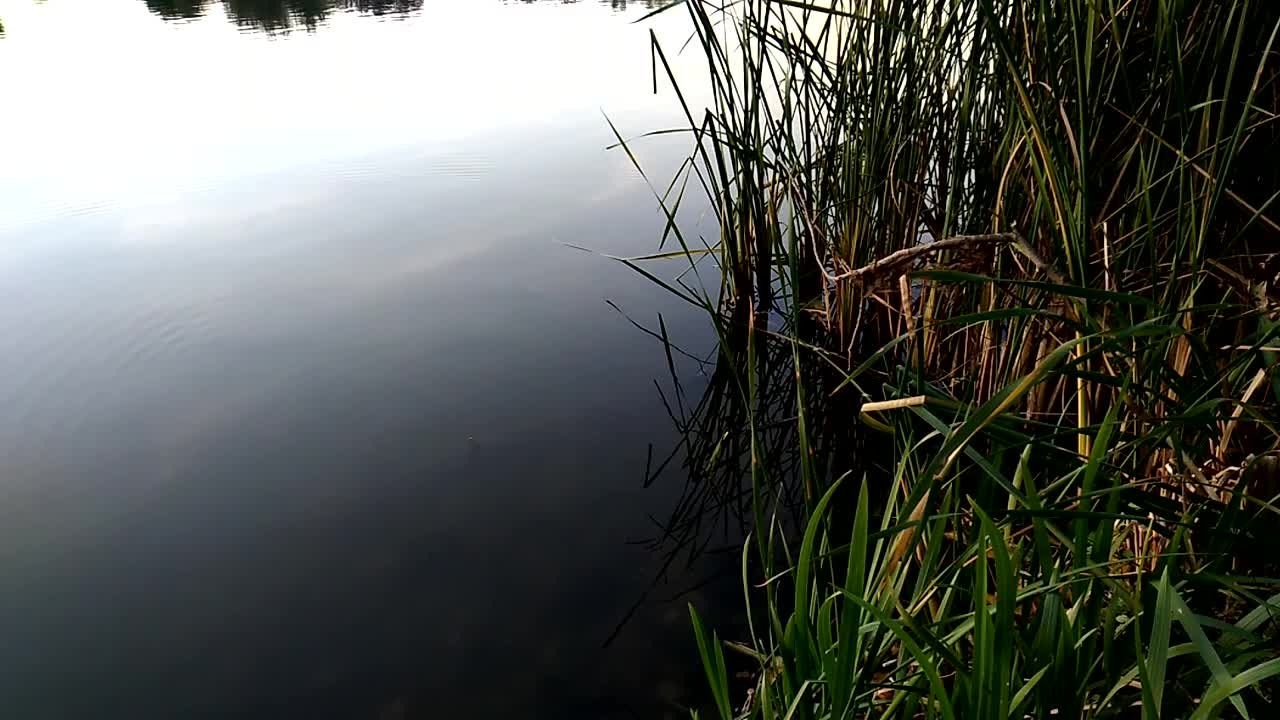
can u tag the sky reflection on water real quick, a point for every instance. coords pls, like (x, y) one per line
(310, 410)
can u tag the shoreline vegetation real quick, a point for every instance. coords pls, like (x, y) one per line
(996, 402)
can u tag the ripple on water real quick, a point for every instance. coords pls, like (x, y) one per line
(462, 166)
(67, 367)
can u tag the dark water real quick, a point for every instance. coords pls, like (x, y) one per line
(309, 410)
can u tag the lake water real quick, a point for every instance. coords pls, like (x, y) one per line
(309, 408)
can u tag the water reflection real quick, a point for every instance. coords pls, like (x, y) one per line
(615, 4)
(726, 435)
(281, 15)
(299, 424)
(278, 16)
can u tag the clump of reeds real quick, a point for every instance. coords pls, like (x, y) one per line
(1034, 245)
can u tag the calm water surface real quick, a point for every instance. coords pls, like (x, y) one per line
(309, 410)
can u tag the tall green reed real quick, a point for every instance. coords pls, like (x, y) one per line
(1033, 244)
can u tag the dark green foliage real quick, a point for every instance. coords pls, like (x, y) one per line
(1079, 385)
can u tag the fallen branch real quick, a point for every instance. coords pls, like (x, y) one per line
(906, 256)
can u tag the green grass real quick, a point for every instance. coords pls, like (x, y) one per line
(1033, 461)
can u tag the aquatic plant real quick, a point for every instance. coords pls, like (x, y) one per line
(1010, 266)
